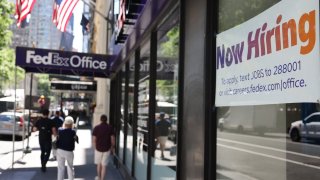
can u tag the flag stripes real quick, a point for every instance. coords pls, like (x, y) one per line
(23, 8)
(62, 11)
(55, 11)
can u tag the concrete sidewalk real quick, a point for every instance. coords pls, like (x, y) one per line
(28, 167)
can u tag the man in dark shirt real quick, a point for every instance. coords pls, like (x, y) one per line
(162, 131)
(103, 140)
(46, 128)
(58, 121)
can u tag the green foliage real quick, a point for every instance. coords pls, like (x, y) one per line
(7, 55)
(170, 48)
(166, 88)
(6, 11)
(43, 84)
(234, 12)
(7, 69)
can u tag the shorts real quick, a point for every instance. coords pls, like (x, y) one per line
(101, 157)
(162, 139)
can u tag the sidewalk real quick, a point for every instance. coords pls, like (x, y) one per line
(28, 167)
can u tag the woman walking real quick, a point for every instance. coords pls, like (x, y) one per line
(65, 146)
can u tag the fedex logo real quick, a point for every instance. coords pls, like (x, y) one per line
(51, 59)
(74, 61)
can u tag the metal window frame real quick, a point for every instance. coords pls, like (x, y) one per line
(152, 100)
(210, 150)
(180, 90)
(125, 111)
(135, 108)
(152, 89)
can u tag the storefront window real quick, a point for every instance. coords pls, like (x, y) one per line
(259, 134)
(165, 155)
(141, 161)
(121, 138)
(130, 116)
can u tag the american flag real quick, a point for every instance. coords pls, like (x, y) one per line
(23, 8)
(62, 11)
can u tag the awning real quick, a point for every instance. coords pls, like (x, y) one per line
(165, 104)
(63, 62)
(9, 99)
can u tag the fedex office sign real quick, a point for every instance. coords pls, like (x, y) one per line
(74, 61)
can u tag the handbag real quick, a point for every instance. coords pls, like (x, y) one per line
(173, 151)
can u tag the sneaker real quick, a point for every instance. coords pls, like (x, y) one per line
(96, 178)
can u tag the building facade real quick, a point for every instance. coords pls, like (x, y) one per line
(42, 32)
(204, 67)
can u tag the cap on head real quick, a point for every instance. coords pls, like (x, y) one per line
(162, 114)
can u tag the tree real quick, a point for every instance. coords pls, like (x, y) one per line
(44, 84)
(6, 10)
(234, 12)
(7, 55)
(169, 48)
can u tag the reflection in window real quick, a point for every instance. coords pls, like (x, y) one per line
(129, 151)
(234, 12)
(256, 142)
(165, 154)
(121, 138)
(143, 113)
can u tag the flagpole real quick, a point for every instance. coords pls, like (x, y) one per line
(92, 6)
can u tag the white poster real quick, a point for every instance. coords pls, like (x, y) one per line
(272, 58)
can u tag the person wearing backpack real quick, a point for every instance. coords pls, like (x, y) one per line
(46, 128)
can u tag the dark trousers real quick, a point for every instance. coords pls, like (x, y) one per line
(45, 151)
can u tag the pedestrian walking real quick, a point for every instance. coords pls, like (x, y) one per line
(163, 127)
(58, 121)
(103, 141)
(46, 129)
(65, 146)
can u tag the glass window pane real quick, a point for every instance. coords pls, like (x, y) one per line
(274, 141)
(165, 155)
(143, 114)
(121, 138)
(130, 116)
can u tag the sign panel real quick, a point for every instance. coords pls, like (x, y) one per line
(74, 87)
(166, 68)
(63, 62)
(272, 58)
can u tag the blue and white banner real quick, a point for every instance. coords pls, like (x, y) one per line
(272, 58)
